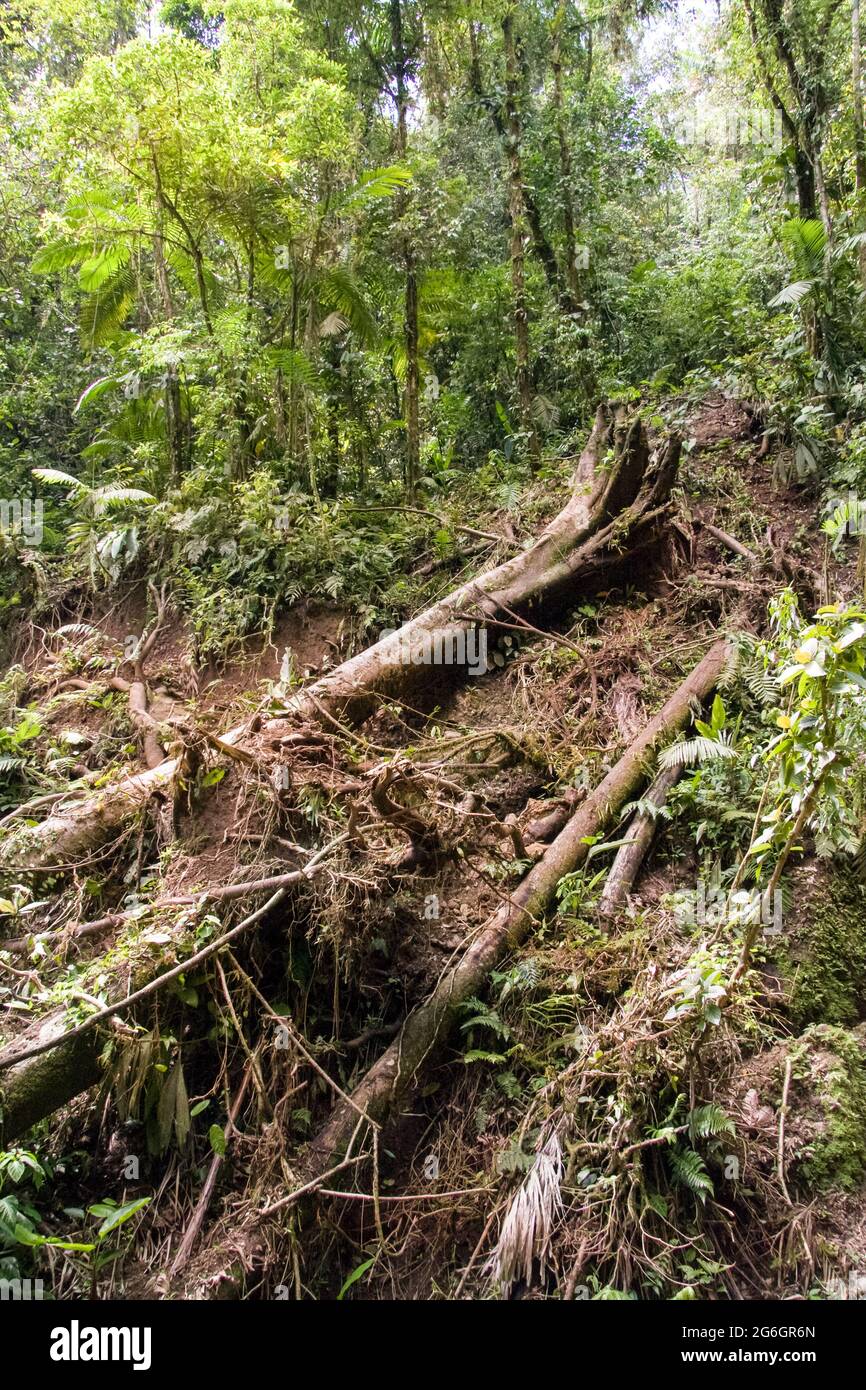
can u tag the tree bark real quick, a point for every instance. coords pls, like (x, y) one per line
(518, 236)
(399, 59)
(626, 866)
(40, 1086)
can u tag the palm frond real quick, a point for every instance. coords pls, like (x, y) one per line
(378, 183)
(339, 290)
(792, 294)
(112, 495)
(104, 312)
(696, 750)
(56, 475)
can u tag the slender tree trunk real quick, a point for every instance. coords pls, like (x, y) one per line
(859, 131)
(331, 486)
(566, 171)
(803, 172)
(518, 239)
(823, 197)
(410, 300)
(293, 394)
(540, 244)
(280, 410)
(171, 393)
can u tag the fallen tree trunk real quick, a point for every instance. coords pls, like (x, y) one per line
(73, 832)
(389, 1079)
(630, 856)
(50, 1063)
(615, 514)
(37, 1088)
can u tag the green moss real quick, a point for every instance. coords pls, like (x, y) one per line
(832, 1063)
(825, 966)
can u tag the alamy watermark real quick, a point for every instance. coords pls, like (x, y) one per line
(77, 1343)
(729, 128)
(21, 1290)
(853, 1287)
(438, 646)
(22, 516)
(711, 906)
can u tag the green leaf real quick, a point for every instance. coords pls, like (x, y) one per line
(120, 1215)
(94, 391)
(354, 1277)
(217, 1138)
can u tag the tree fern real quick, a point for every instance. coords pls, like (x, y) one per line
(102, 315)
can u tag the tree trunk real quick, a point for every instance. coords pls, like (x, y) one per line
(410, 299)
(566, 171)
(40, 1086)
(615, 516)
(630, 856)
(171, 391)
(540, 244)
(518, 238)
(803, 171)
(859, 131)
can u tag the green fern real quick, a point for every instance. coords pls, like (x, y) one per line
(690, 1171)
(708, 1122)
(482, 1016)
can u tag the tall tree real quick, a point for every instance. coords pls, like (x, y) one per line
(403, 58)
(793, 53)
(516, 211)
(859, 131)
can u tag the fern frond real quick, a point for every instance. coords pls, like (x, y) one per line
(690, 1171)
(696, 750)
(74, 630)
(708, 1121)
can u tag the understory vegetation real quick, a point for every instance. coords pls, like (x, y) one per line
(433, 649)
